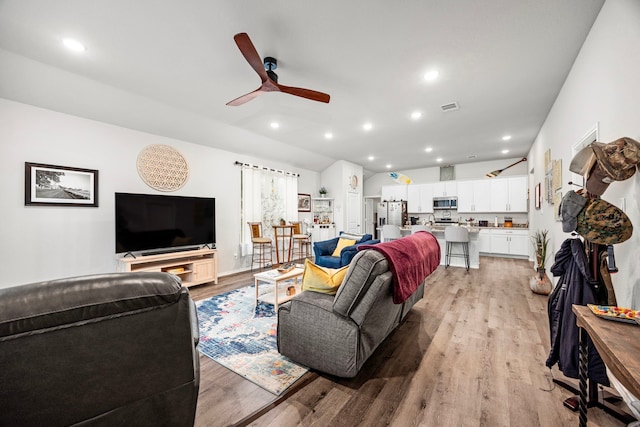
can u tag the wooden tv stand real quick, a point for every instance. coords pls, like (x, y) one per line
(193, 267)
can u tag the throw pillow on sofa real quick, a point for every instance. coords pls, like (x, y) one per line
(322, 279)
(342, 243)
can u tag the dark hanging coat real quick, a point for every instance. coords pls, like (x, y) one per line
(577, 285)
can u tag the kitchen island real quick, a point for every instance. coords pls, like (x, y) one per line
(474, 247)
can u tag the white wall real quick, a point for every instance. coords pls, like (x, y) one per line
(335, 179)
(603, 87)
(42, 243)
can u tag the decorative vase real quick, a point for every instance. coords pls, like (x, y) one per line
(540, 283)
(322, 195)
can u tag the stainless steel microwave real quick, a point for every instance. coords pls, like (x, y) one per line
(445, 203)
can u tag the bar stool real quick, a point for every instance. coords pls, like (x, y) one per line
(452, 235)
(301, 242)
(391, 232)
(261, 246)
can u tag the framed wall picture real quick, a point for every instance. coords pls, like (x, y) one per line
(538, 196)
(557, 200)
(557, 175)
(304, 202)
(49, 185)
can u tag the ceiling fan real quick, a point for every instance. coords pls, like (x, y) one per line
(268, 76)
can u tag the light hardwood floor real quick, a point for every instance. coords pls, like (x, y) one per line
(471, 353)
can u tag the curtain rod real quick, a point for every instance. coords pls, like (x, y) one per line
(249, 165)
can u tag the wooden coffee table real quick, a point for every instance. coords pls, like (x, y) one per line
(279, 295)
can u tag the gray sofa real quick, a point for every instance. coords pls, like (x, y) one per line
(101, 350)
(337, 334)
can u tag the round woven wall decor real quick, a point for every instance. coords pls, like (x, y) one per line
(162, 167)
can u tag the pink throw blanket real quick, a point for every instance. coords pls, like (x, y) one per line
(411, 260)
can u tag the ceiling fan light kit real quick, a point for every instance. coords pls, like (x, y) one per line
(269, 78)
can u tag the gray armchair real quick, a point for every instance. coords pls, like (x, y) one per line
(105, 350)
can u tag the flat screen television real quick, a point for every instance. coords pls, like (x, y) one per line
(162, 223)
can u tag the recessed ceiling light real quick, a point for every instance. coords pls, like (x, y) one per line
(416, 115)
(439, 159)
(73, 45)
(428, 149)
(367, 126)
(275, 125)
(505, 151)
(328, 135)
(431, 75)
(388, 166)
(371, 158)
(506, 137)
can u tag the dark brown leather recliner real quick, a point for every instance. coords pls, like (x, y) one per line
(104, 350)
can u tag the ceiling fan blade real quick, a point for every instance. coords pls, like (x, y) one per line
(250, 53)
(246, 97)
(305, 93)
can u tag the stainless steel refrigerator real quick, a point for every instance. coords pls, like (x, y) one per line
(392, 213)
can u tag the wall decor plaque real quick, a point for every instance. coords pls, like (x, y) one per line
(162, 167)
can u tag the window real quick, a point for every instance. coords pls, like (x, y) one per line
(267, 196)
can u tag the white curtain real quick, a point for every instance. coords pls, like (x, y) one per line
(267, 196)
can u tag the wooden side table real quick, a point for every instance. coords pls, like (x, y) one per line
(619, 347)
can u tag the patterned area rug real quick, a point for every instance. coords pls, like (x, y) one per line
(242, 337)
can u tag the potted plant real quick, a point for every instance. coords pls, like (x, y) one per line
(540, 242)
(540, 284)
(322, 191)
(283, 221)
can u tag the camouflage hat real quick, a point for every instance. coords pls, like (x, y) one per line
(618, 159)
(602, 163)
(601, 222)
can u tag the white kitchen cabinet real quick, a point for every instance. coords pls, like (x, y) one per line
(484, 241)
(445, 189)
(510, 242)
(518, 194)
(322, 210)
(322, 232)
(474, 196)
(509, 194)
(420, 198)
(394, 193)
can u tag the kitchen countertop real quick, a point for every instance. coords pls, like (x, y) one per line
(473, 229)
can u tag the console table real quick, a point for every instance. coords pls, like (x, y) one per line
(194, 267)
(619, 347)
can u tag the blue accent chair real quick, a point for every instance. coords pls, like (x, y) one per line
(323, 251)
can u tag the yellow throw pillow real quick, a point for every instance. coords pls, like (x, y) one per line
(342, 243)
(322, 279)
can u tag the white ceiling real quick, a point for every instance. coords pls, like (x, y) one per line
(168, 67)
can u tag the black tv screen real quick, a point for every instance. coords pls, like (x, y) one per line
(151, 222)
